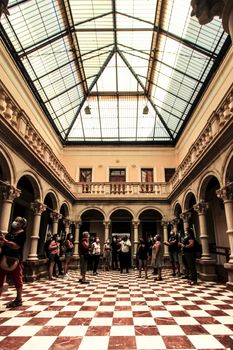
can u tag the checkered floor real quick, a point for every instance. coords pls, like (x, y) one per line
(118, 311)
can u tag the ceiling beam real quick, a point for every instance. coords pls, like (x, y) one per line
(149, 99)
(89, 90)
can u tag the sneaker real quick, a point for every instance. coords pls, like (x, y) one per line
(85, 282)
(14, 303)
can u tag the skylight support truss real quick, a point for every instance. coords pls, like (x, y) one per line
(139, 82)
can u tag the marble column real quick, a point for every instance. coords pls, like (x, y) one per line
(38, 209)
(76, 237)
(135, 236)
(55, 217)
(67, 226)
(164, 223)
(9, 194)
(185, 216)
(226, 193)
(174, 222)
(207, 265)
(106, 230)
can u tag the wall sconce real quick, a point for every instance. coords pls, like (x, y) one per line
(87, 110)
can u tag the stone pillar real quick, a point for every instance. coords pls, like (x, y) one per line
(185, 216)
(55, 217)
(76, 238)
(106, 230)
(67, 226)
(165, 238)
(135, 236)
(9, 193)
(206, 10)
(226, 193)
(174, 224)
(38, 209)
(207, 265)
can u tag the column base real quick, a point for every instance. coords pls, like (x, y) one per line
(207, 270)
(229, 268)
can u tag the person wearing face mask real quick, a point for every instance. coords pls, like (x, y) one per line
(96, 255)
(69, 251)
(11, 257)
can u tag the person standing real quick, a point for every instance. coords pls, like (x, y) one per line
(107, 255)
(143, 256)
(158, 257)
(96, 250)
(12, 253)
(173, 248)
(69, 251)
(125, 254)
(84, 253)
(55, 250)
(189, 250)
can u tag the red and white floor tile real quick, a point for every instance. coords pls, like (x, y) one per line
(118, 311)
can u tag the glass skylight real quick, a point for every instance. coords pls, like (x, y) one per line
(113, 58)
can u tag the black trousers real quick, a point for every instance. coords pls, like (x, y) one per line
(57, 262)
(124, 261)
(96, 259)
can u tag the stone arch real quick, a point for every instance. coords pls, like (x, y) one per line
(188, 197)
(228, 168)
(7, 168)
(92, 220)
(54, 199)
(148, 208)
(120, 208)
(204, 181)
(176, 209)
(92, 208)
(121, 221)
(35, 182)
(150, 219)
(65, 209)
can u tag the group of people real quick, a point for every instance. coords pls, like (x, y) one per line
(54, 248)
(116, 255)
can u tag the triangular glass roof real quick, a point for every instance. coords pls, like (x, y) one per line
(96, 66)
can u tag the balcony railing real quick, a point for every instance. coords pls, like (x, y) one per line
(130, 189)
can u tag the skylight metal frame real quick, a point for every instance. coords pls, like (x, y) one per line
(91, 62)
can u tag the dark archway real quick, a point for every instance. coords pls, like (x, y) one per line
(121, 222)
(150, 223)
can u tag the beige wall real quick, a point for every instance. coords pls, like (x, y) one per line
(101, 159)
(21, 93)
(215, 92)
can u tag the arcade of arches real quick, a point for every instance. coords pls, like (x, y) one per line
(206, 205)
(39, 179)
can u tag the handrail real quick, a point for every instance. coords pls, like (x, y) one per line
(217, 250)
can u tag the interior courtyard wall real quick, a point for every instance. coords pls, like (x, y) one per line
(133, 159)
(215, 92)
(21, 93)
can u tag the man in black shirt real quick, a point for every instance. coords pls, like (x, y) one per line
(173, 248)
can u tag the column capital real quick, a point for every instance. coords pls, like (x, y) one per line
(226, 193)
(201, 207)
(67, 222)
(38, 208)
(164, 222)
(136, 223)
(107, 223)
(206, 10)
(9, 192)
(185, 216)
(55, 216)
(174, 221)
(78, 223)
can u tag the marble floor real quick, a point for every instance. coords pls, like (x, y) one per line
(118, 311)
